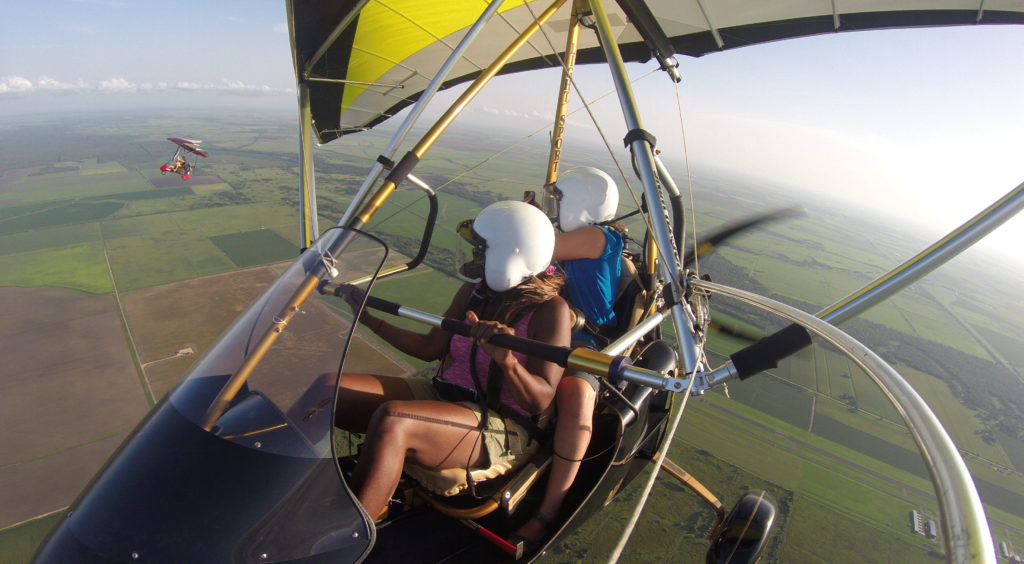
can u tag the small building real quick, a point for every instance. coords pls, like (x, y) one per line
(931, 530)
(1003, 550)
(916, 522)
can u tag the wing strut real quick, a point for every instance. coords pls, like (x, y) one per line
(642, 147)
(965, 530)
(561, 106)
(417, 110)
(907, 273)
(661, 47)
(338, 29)
(711, 25)
(406, 164)
(308, 228)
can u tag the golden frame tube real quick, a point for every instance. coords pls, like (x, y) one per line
(237, 380)
(456, 108)
(562, 105)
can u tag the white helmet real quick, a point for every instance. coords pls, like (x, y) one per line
(518, 242)
(586, 196)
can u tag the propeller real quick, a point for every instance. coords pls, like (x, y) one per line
(716, 239)
(730, 326)
(734, 329)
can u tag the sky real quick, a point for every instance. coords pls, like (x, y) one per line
(923, 124)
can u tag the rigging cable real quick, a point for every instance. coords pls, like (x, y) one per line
(678, 416)
(701, 362)
(585, 106)
(407, 207)
(593, 119)
(689, 179)
(658, 460)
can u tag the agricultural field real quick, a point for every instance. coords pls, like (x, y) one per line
(250, 248)
(70, 395)
(88, 225)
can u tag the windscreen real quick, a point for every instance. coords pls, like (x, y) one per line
(229, 468)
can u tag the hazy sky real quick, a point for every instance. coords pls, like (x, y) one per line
(924, 123)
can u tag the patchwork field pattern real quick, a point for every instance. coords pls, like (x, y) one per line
(81, 213)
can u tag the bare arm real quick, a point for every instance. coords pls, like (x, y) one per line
(585, 242)
(424, 346)
(532, 385)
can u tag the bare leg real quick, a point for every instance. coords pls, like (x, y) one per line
(360, 396)
(575, 400)
(430, 433)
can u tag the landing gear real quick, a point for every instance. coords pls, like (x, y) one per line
(744, 532)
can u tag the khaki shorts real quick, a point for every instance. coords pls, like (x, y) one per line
(506, 442)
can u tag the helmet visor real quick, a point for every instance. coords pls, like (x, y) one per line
(470, 249)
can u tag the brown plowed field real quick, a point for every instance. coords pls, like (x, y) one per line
(69, 393)
(68, 396)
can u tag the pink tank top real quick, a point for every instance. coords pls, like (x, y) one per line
(458, 373)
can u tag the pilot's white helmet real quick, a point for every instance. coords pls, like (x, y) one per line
(517, 241)
(586, 196)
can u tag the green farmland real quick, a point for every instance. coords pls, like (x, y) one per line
(83, 211)
(250, 248)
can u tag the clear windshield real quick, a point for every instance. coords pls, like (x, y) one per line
(228, 468)
(264, 366)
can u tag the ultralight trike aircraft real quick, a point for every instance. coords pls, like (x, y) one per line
(179, 163)
(219, 472)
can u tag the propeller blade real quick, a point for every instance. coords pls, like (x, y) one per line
(733, 329)
(708, 244)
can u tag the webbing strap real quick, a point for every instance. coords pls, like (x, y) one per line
(403, 168)
(640, 135)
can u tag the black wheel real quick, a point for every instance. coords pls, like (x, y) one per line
(744, 532)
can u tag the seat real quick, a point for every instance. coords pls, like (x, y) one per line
(629, 305)
(443, 489)
(448, 482)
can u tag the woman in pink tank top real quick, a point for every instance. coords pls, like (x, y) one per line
(403, 419)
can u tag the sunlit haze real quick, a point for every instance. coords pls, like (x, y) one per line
(923, 125)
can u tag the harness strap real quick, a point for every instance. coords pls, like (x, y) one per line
(484, 415)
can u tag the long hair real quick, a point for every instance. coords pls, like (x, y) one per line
(530, 293)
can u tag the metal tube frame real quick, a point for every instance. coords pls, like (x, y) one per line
(309, 229)
(629, 338)
(417, 110)
(582, 358)
(965, 529)
(430, 137)
(234, 384)
(338, 30)
(561, 107)
(666, 178)
(643, 153)
(972, 231)
(912, 270)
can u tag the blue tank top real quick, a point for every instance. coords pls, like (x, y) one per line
(593, 283)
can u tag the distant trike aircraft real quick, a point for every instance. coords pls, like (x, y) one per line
(179, 163)
(224, 470)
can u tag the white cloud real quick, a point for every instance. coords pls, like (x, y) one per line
(233, 86)
(53, 85)
(15, 85)
(117, 85)
(515, 114)
(19, 85)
